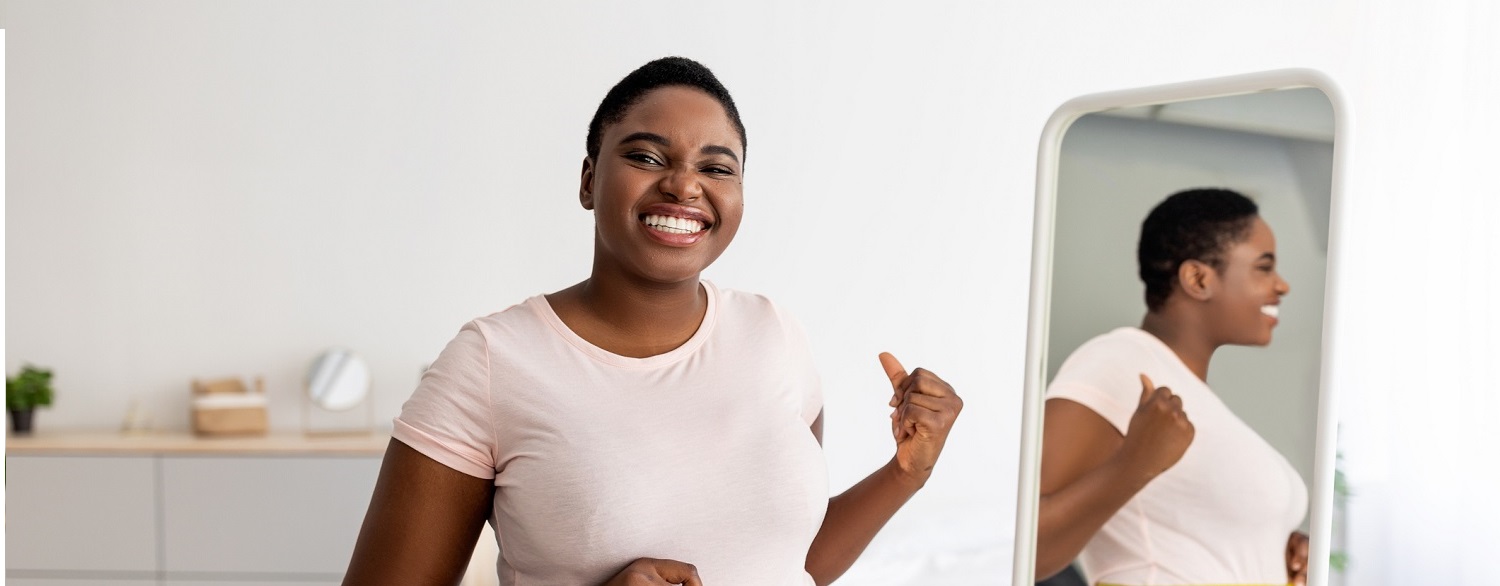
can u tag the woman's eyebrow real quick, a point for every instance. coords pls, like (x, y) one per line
(1268, 256)
(648, 137)
(714, 149)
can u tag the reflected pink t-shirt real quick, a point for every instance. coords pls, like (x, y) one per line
(1220, 515)
(702, 454)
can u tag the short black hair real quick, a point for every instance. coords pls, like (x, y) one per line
(667, 71)
(1194, 224)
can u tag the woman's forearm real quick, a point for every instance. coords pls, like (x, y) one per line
(854, 517)
(1070, 516)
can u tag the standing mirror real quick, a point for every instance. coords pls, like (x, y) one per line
(1213, 479)
(337, 382)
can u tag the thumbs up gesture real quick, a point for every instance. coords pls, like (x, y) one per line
(1159, 432)
(924, 410)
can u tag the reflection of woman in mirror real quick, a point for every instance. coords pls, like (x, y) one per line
(1147, 477)
(642, 426)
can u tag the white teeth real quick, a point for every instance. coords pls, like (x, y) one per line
(1271, 310)
(674, 225)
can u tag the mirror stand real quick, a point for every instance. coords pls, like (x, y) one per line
(319, 422)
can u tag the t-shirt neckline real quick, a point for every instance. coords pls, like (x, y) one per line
(543, 308)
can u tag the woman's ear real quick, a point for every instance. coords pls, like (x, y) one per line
(1197, 279)
(586, 184)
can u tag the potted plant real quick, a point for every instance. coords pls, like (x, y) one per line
(25, 392)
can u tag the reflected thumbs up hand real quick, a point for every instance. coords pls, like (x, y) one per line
(1159, 432)
(925, 408)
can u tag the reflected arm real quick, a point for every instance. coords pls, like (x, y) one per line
(423, 521)
(1084, 482)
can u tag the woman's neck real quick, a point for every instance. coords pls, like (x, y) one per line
(632, 317)
(1184, 337)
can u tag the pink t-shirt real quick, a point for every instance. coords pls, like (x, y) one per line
(702, 454)
(1220, 515)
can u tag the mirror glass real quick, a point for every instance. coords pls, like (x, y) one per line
(1226, 508)
(338, 380)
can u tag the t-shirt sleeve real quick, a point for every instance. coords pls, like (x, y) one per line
(799, 353)
(448, 417)
(1103, 375)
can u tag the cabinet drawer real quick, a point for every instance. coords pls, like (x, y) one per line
(264, 514)
(81, 513)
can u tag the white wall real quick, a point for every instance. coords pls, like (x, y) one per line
(1113, 171)
(199, 189)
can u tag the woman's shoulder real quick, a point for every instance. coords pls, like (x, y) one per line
(524, 317)
(1122, 343)
(740, 306)
(1112, 359)
(742, 313)
(518, 310)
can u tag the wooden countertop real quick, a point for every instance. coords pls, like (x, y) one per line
(183, 443)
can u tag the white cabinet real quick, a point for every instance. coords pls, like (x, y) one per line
(111, 510)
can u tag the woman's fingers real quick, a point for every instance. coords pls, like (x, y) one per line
(656, 572)
(1159, 432)
(675, 572)
(922, 401)
(1296, 557)
(928, 402)
(922, 381)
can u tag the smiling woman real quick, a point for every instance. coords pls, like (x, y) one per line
(1228, 511)
(642, 426)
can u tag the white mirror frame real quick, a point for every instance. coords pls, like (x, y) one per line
(1325, 450)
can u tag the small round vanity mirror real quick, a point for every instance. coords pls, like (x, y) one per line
(338, 380)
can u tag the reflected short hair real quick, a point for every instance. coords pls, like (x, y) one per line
(1195, 224)
(667, 71)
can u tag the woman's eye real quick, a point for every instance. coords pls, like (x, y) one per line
(643, 158)
(718, 171)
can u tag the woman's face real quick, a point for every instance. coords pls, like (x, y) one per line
(1245, 308)
(665, 189)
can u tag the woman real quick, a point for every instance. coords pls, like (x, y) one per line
(1163, 484)
(642, 426)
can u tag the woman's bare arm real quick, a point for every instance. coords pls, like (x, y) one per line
(1089, 470)
(925, 410)
(422, 524)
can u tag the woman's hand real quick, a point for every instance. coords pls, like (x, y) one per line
(925, 408)
(1296, 558)
(654, 572)
(1159, 432)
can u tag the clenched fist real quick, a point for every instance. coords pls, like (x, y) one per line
(925, 408)
(654, 572)
(1159, 432)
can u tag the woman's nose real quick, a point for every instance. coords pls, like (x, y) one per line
(681, 184)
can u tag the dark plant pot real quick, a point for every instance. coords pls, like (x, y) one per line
(20, 421)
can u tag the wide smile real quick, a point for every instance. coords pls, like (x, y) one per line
(672, 224)
(675, 225)
(1273, 312)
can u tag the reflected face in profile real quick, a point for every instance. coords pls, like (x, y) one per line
(666, 187)
(1246, 306)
